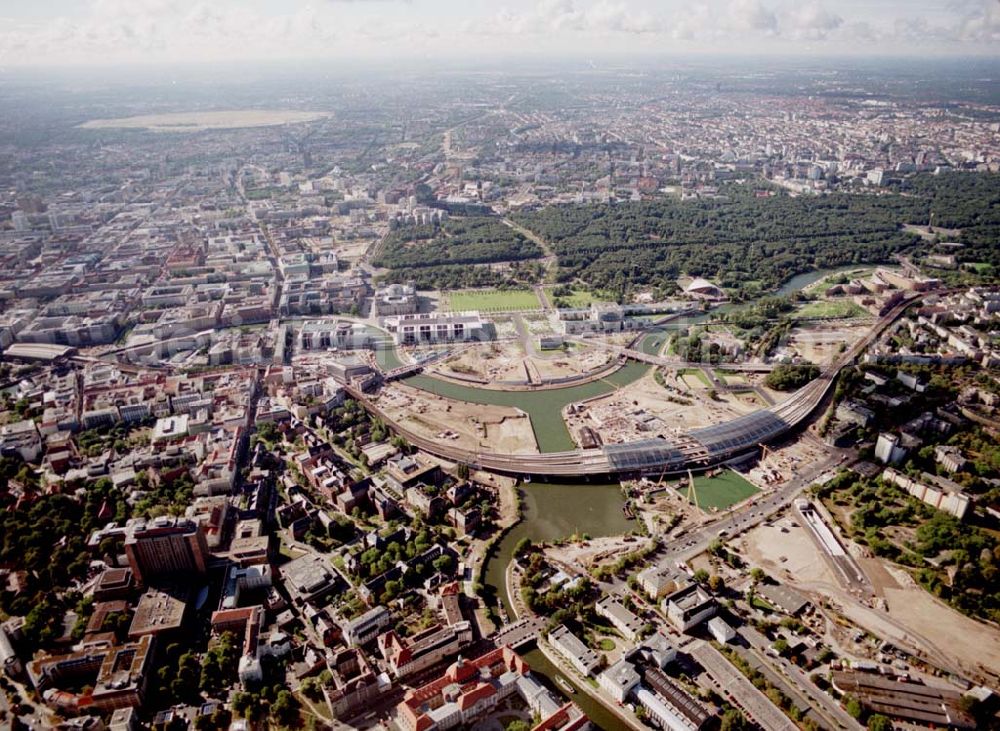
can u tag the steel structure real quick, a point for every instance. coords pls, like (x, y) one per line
(696, 449)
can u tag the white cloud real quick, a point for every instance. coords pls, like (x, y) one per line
(106, 31)
(717, 21)
(619, 18)
(118, 9)
(750, 15)
(565, 17)
(981, 24)
(861, 32)
(117, 30)
(813, 22)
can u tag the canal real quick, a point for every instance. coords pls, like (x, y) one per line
(553, 511)
(599, 716)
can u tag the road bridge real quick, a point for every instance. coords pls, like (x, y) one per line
(695, 449)
(519, 633)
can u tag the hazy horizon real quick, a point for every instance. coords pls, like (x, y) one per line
(54, 33)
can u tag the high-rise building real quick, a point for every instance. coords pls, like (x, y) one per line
(888, 449)
(165, 546)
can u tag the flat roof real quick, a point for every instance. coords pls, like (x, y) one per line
(309, 574)
(786, 598)
(620, 612)
(38, 351)
(622, 673)
(159, 610)
(573, 644)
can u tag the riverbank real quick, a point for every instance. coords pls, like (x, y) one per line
(544, 407)
(551, 512)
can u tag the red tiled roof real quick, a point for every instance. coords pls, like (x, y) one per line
(476, 694)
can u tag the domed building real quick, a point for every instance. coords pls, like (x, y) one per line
(704, 289)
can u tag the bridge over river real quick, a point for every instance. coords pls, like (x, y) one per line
(697, 448)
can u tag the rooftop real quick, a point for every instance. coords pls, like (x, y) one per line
(159, 610)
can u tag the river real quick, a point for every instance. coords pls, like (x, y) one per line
(544, 407)
(558, 510)
(554, 511)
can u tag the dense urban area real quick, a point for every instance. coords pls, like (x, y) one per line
(611, 398)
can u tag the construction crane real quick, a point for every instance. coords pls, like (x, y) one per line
(663, 474)
(692, 495)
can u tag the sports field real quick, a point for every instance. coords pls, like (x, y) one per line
(721, 491)
(490, 300)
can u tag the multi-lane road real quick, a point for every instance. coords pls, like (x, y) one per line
(751, 514)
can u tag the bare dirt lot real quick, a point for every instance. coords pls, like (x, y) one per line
(559, 365)
(786, 551)
(198, 121)
(914, 607)
(471, 426)
(641, 410)
(786, 460)
(585, 554)
(911, 617)
(496, 362)
(820, 343)
(351, 250)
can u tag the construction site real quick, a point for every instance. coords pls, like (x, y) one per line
(867, 592)
(503, 364)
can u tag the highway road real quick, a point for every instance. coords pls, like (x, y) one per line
(750, 514)
(797, 681)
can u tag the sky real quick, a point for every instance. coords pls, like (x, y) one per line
(109, 32)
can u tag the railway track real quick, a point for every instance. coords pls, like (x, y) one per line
(692, 450)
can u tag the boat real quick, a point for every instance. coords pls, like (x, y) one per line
(564, 685)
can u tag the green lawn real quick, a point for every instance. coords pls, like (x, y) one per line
(731, 379)
(606, 644)
(721, 491)
(761, 604)
(831, 309)
(491, 300)
(578, 300)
